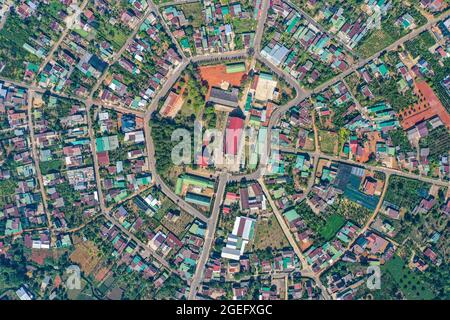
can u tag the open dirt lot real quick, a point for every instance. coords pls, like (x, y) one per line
(215, 75)
(86, 255)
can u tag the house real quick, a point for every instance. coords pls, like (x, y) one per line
(369, 186)
(430, 254)
(425, 205)
(392, 213)
(103, 158)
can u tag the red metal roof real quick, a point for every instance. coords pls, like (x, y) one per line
(233, 133)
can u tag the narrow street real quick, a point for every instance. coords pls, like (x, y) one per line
(209, 236)
(36, 159)
(305, 270)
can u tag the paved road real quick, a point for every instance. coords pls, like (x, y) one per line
(63, 35)
(103, 208)
(319, 26)
(316, 133)
(209, 236)
(301, 94)
(119, 53)
(179, 201)
(390, 171)
(112, 106)
(166, 87)
(37, 89)
(159, 182)
(391, 47)
(306, 270)
(260, 26)
(129, 197)
(305, 267)
(176, 2)
(368, 223)
(305, 94)
(36, 158)
(166, 28)
(220, 56)
(101, 198)
(144, 246)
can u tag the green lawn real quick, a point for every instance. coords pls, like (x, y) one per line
(192, 11)
(161, 1)
(332, 226)
(82, 32)
(375, 42)
(50, 166)
(113, 34)
(244, 25)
